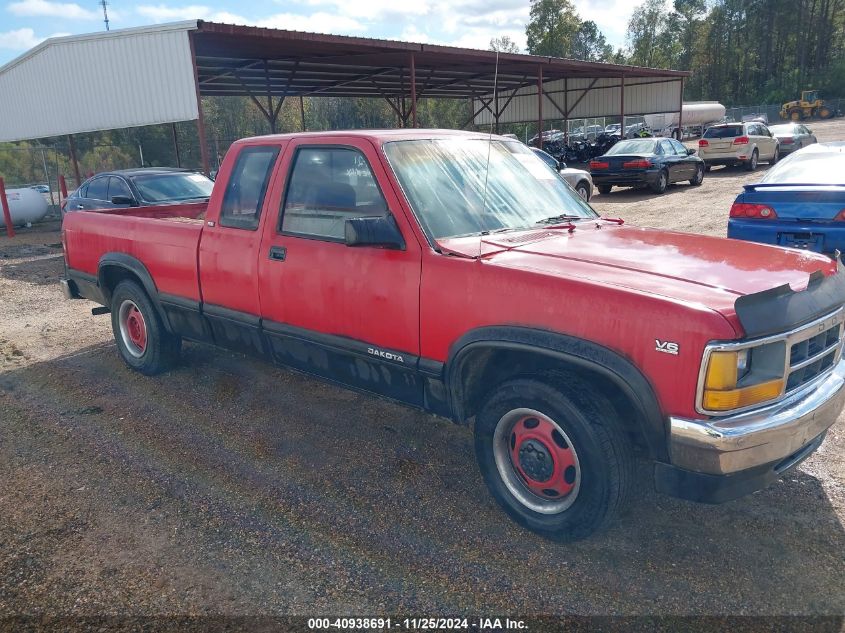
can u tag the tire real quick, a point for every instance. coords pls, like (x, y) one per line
(142, 340)
(707, 167)
(698, 178)
(604, 189)
(662, 182)
(589, 480)
(775, 156)
(583, 190)
(796, 114)
(825, 112)
(751, 164)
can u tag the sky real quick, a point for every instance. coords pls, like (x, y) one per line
(470, 23)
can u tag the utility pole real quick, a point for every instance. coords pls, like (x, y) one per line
(105, 5)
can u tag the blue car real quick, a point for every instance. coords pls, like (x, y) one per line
(800, 203)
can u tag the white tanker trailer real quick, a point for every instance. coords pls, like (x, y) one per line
(25, 206)
(697, 114)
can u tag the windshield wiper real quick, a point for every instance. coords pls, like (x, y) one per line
(560, 218)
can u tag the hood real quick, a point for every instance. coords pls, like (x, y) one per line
(689, 268)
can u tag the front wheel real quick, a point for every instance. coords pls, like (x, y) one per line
(553, 458)
(659, 185)
(605, 189)
(142, 340)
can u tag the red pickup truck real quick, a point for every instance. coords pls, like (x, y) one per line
(457, 273)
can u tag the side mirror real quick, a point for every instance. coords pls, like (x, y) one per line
(374, 231)
(129, 200)
(561, 165)
(690, 151)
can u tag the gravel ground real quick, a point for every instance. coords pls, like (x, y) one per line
(227, 486)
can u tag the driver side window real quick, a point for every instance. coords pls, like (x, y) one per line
(327, 186)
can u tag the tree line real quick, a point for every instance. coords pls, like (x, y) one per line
(741, 52)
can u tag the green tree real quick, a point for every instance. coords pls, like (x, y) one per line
(552, 28)
(504, 44)
(590, 44)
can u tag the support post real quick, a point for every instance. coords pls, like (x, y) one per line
(681, 113)
(200, 119)
(540, 107)
(73, 160)
(413, 92)
(7, 215)
(176, 145)
(62, 188)
(47, 176)
(622, 108)
(302, 112)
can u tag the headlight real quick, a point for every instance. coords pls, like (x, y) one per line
(735, 379)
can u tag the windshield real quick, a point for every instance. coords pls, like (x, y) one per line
(784, 129)
(173, 187)
(809, 168)
(723, 131)
(444, 180)
(645, 146)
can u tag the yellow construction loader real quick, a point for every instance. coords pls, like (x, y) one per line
(809, 107)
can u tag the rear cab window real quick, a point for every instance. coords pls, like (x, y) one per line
(247, 186)
(727, 131)
(327, 186)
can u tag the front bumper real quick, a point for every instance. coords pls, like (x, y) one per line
(722, 458)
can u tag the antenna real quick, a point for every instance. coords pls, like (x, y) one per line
(487, 168)
(105, 6)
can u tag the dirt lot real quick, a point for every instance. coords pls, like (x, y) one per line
(230, 487)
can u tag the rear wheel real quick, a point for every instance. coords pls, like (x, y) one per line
(556, 462)
(698, 178)
(659, 185)
(583, 190)
(825, 112)
(707, 166)
(142, 340)
(776, 156)
(751, 165)
(605, 189)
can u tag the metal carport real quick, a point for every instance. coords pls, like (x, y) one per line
(159, 74)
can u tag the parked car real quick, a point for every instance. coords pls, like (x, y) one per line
(637, 130)
(389, 261)
(41, 188)
(578, 179)
(792, 137)
(613, 128)
(143, 187)
(799, 203)
(744, 144)
(652, 162)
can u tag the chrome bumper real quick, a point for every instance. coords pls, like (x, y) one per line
(731, 444)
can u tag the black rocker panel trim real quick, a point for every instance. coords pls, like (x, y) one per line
(186, 318)
(570, 351)
(235, 330)
(347, 361)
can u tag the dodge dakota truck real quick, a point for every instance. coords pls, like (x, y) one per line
(457, 273)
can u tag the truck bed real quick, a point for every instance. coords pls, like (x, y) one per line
(164, 238)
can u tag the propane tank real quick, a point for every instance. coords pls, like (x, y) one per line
(25, 206)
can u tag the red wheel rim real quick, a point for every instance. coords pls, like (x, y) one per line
(543, 457)
(133, 328)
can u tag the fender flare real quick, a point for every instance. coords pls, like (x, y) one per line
(137, 268)
(571, 351)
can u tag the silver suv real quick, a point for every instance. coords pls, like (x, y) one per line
(738, 144)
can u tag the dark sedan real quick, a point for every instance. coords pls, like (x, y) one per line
(792, 136)
(652, 162)
(139, 188)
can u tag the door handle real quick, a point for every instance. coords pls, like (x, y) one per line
(278, 253)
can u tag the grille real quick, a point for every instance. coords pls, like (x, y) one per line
(812, 352)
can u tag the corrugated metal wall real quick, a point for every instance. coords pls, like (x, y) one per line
(643, 95)
(83, 84)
